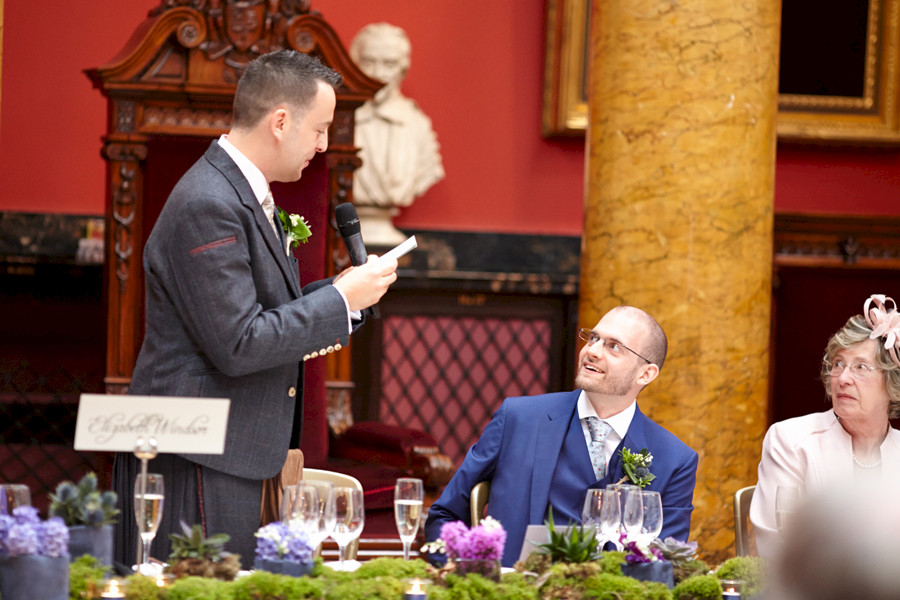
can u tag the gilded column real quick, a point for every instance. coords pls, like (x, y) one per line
(678, 219)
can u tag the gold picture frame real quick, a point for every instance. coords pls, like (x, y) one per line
(872, 116)
(565, 109)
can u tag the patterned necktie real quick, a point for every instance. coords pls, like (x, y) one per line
(268, 206)
(599, 430)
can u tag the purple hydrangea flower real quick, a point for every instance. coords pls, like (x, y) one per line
(485, 541)
(278, 541)
(54, 537)
(298, 548)
(22, 539)
(454, 535)
(6, 522)
(26, 514)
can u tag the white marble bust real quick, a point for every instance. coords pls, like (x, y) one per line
(400, 154)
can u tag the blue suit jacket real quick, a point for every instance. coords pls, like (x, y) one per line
(518, 453)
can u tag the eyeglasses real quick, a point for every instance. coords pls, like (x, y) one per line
(614, 347)
(857, 370)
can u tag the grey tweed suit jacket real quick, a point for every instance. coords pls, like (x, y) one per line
(226, 317)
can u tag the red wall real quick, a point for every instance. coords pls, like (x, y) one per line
(476, 70)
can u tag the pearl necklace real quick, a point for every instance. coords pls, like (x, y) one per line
(864, 465)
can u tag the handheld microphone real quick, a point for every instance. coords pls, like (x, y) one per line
(348, 225)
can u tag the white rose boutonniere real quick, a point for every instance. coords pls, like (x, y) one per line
(296, 228)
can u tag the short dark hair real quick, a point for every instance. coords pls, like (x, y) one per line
(282, 77)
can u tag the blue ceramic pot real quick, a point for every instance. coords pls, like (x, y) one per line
(660, 571)
(32, 576)
(283, 567)
(96, 541)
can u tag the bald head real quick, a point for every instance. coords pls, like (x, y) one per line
(653, 345)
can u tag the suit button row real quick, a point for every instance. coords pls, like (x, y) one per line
(323, 351)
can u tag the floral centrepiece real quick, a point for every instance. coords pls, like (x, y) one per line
(636, 552)
(646, 563)
(34, 556)
(23, 533)
(89, 513)
(472, 550)
(84, 504)
(482, 542)
(637, 467)
(283, 548)
(296, 228)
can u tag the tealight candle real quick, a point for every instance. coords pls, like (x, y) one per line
(164, 580)
(113, 590)
(731, 589)
(415, 591)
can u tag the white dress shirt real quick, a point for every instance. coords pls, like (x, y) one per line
(619, 422)
(260, 188)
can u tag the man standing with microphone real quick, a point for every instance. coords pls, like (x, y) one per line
(225, 313)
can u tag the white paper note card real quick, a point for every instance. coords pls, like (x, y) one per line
(114, 423)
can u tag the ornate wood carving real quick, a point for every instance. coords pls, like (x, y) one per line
(176, 77)
(837, 241)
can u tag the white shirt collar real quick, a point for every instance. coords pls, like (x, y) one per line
(619, 422)
(251, 172)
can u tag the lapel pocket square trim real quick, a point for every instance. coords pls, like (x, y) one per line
(223, 242)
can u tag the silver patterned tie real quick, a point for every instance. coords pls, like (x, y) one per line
(599, 430)
(268, 206)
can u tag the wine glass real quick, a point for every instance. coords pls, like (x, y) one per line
(632, 511)
(595, 502)
(304, 507)
(619, 487)
(611, 516)
(787, 500)
(148, 509)
(408, 497)
(349, 518)
(653, 516)
(326, 516)
(13, 495)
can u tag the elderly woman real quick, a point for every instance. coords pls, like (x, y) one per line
(851, 444)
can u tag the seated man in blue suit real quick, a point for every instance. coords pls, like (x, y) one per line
(537, 450)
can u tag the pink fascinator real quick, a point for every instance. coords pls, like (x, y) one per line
(885, 322)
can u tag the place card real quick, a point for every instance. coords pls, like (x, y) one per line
(113, 423)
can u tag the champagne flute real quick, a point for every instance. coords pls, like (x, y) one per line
(408, 497)
(148, 508)
(349, 518)
(787, 499)
(632, 511)
(653, 516)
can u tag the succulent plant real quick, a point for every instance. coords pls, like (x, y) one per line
(195, 554)
(675, 551)
(575, 544)
(83, 503)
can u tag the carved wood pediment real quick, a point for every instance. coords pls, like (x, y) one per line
(198, 49)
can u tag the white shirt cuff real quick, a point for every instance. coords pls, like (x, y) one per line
(351, 314)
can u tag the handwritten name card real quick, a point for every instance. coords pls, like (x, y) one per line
(114, 423)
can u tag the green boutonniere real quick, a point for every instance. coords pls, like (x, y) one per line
(637, 466)
(296, 228)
